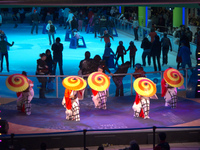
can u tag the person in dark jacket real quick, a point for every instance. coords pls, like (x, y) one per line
(4, 51)
(118, 79)
(139, 70)
(80, 21)
(132, 48)
(35, 20)
(163, 145)
(74, 24)
(146, 45)
(120, 52)
(42, 69)
(111, 25)
(166, 45)
(107, 53)
(156, 52)
(103, 25)
(57, 49)
(49, 60)
(96, 23)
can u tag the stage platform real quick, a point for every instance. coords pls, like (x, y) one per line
(48, 117)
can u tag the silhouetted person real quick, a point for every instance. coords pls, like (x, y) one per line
(57, 49)
(166, 45)
(162, 145)
(146, 45)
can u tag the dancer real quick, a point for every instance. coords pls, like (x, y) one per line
(24, 98)
(169, 93)
(71, 103)
(145, 89)
(100, 97)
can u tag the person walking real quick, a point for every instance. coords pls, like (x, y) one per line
(35, 21)
(51, 31)
(156, 52)
(146, 45)
(165, 44)
(132, 48)
(4, 51)
(57, 49)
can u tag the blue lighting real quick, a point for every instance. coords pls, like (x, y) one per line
(120, 9)
(146, 16)
(183, 19)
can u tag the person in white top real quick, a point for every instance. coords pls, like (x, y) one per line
(69, 19)
(51, 31)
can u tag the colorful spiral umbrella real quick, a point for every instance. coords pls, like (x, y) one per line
(98, 81)
(144, 87)
(17, 82)
(173, 77)
(74, 83)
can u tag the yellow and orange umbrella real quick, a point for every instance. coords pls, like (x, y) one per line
(144, 87)
(17, 82)
(173, 77)
(74, 83)
(98, 81)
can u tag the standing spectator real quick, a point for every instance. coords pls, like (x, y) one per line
(152, 34)
(189, 34)
(156, 52)
(135, 28)
(132, 48)
(48, 17)
(49, 60)
(123, 69)
(163, 145)
(42, 69)
(103, 25)
(146, 45)
(120, 52)
(165, 44)
(66, 14)
(22, 15)
(60, 17)
(57, 49)
(96, 23)
(35, 20)
(51, 31)
(111, 25)
(80, 21)
(185, 53)
(69, 19)
(4, 51)
(107, 52)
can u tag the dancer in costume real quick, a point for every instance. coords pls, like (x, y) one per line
(100, 97)
(74, 91)
(172, 79)
(99, 82)
(145, 89)
(25, 97)
(71, 103)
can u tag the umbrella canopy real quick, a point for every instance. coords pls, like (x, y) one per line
(74, 83)
(144, 87)
(173, 77)
(98, 81)
(17, 82)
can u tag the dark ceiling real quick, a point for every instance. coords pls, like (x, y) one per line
(19, 3)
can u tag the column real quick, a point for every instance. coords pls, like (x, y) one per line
(178, 16)
(142, 15)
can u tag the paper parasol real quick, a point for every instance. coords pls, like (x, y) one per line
(17, 82)
(74, 83)
(98, 81)
(173, 77)
(144, 87)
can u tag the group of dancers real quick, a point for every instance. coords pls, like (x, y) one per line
(99, 83)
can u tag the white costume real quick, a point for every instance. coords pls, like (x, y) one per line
(25, 98)
(99, 99)
(72, 109)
